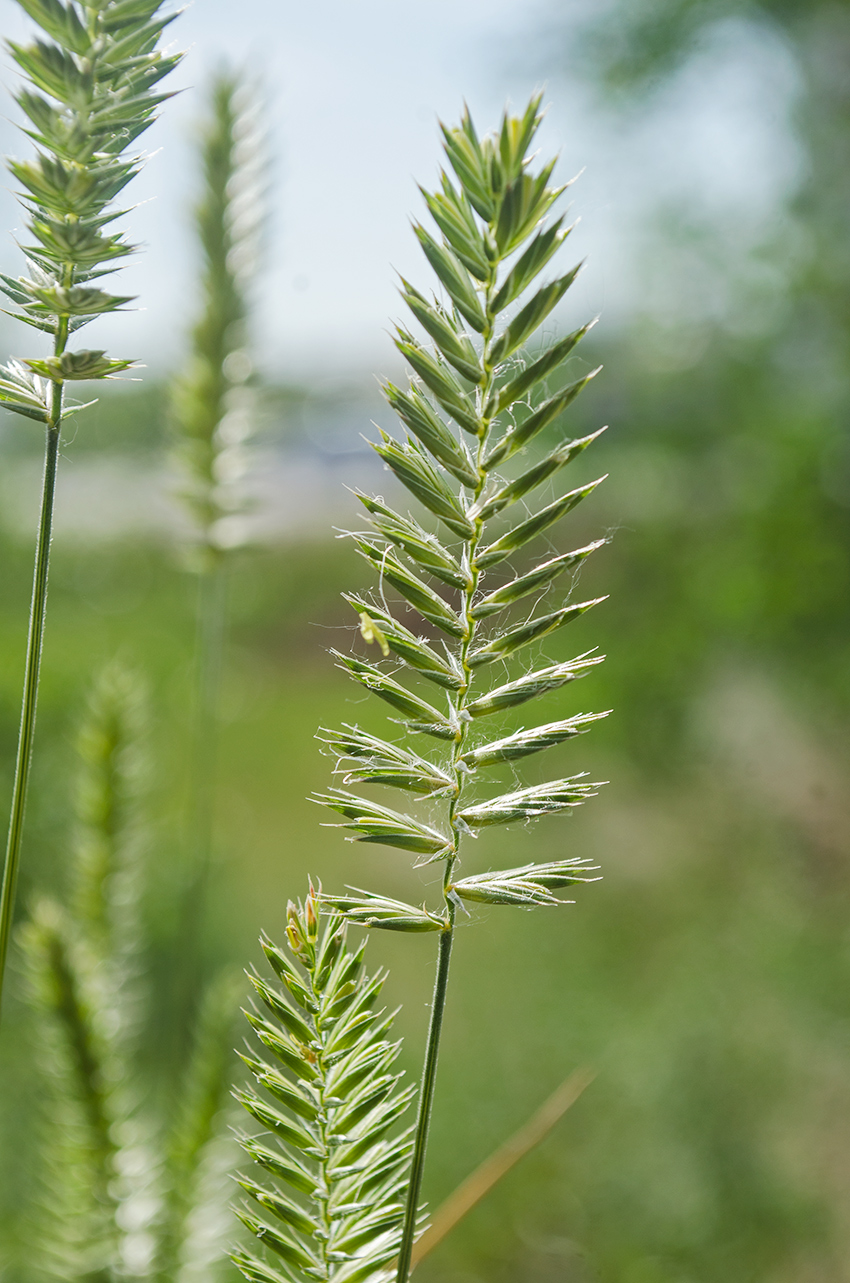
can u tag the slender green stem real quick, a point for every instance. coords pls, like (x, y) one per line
(35, 643)
(188, 966)
(322, 1129)
(212, 613)
(426, 1098)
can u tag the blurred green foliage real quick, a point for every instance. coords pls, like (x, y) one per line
(707, 978)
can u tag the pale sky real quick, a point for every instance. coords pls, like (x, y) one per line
(353, 95)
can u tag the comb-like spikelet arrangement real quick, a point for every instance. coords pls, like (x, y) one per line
(477, 409)
(91, 74)
(477, 373)
(330, 1202)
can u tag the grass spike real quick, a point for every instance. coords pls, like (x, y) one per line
(326, 1203)
(478, 373)
(110, 786)
(88, 91)
(198, 1128)
(212, 400)
(212, 415)
(78, 1234)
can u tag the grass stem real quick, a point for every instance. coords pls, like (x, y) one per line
(189, 944)
(212, 616)
(426, 1098)
(35, 642)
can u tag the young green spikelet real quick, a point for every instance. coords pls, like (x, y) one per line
(212, 399)
(474, 416)
(331, 1202)
(90, 90)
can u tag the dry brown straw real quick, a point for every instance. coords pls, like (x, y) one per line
(482, 1180)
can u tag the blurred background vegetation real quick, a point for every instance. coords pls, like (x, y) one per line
(707, 978)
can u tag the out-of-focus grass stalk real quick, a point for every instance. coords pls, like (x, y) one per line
(479, 1183)
(205, 1092)
(211, 414)
(79, 961)
(87, 95)
(118, 1184)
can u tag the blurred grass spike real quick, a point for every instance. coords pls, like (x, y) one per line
(77, 1230)
(110, 835)
(198, 1141)
(212, 400)
(102, 1151)
(79, 962)
(88, 94)
(478, 399)
(212, 413)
